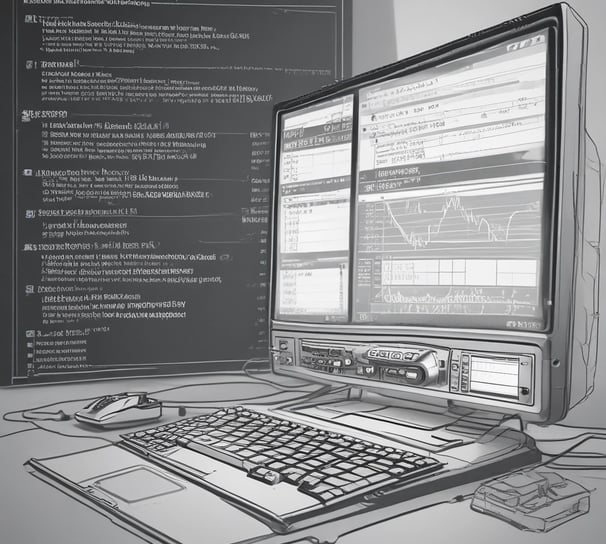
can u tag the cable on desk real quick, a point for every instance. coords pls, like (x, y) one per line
(39, 408)
(37, 426)
(236, 400)
(569, 450)
(29, 413)
(239, 382)
(286, 403)
(17, 432)
(54, 416)
(67, 435)
(575, 437)
(577, 427)
(62, 416)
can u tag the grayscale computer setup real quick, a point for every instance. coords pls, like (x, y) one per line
(434, 268)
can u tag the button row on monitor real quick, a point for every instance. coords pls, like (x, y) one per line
(393, 355)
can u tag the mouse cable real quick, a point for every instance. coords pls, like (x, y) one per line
(576, 427)
(577, 467)
(67, 435)
(583, 466)
(230, 382)
(29, 416)
(587, 455)
(61, 414)
(18, 432)
(50, 416)
(575, 437)
(282, 404)
(38, 427)
(32, 421)
(39, 408)
(211, 406)
(233, 382)
(168, 403)
(234, 400)
(555, 457)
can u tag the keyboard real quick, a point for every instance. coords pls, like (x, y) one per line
(325, 465)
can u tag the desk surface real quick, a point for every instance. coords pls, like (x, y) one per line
(33, 512)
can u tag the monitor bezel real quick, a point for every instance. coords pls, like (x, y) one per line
(562, 351)
(549, 20)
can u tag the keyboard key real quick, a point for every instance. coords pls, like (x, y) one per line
(276, 465)
(246, 453)
(345, 465)
(309, 482)
(335, 482)
(315, 490)
(378, 477)
(260, 459)
(397, 471)
(350, 476)
(383, 463)
(363, 471)
(354, 486)
(293, 475)
(326, 458)
(344, 453)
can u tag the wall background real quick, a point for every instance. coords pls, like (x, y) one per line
(374, 34)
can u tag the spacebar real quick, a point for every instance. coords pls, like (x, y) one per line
(209, 451)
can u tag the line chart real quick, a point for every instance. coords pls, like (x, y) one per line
(455, 223)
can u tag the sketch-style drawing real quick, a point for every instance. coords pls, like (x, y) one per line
(536, 501)
(118, 410)
(435, 282)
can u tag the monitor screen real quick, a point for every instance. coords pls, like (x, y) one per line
(313, 257)
(442, 221)
(451, 200)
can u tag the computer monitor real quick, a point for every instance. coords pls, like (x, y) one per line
(435, 235)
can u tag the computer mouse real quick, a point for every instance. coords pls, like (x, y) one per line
(532, 500)
(120, 410)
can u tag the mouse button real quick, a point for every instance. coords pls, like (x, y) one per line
(103, 402)
(522, 482)
(507, 497)
(553, 478)
(125, 402)
(91, 404)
